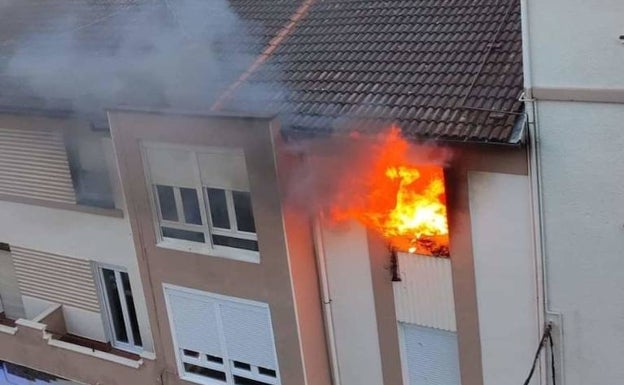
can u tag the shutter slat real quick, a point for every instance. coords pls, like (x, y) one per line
(431, 356)
(34, 164)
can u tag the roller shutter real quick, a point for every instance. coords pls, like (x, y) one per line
(33, 164)
(430, 356)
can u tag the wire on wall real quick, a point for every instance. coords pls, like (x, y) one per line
(547, 336)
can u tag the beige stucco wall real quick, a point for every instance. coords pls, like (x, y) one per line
(296, 317)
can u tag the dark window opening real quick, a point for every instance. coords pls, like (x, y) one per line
(134, 323)
(218, 208)
(89, 173)
(114, 306)
(215, 359)
(185, 235)
(247, 381)
(190, 353)
(166, 199)
(238, 243)
(244, 213)
(267, 372)
(190, 203)
(242, 365)
(205, 372)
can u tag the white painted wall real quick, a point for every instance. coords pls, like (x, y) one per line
(103, 239)
(504, 261)
(582, 154)
(352, 304)
(574, 43)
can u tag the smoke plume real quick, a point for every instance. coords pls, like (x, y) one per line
(88, 55)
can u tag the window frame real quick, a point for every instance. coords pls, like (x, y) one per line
(227, 366)
(207, 247)
(129, 346)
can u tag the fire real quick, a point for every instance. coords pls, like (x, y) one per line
(402, 201)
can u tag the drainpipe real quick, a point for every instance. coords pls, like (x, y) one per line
(535, 175)
(326, 300)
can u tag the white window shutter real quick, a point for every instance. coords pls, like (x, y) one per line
(171, 167)
(248, 334)
(195, 323)
(226, 171)
(431, 356)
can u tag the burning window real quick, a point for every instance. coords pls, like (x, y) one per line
(399, 196)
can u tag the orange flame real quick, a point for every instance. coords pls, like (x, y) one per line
(404, 202)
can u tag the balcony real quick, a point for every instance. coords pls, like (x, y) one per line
(43, 343)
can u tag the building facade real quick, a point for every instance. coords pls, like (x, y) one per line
(575, 94)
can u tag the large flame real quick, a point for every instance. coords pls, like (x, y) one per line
(404, 202)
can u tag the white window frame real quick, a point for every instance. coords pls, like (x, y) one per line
(208, 247)
(227, 367)
(129, 346)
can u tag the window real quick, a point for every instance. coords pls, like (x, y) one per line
(202, 201)
(88, 167)
(120, 309)
(221, 340)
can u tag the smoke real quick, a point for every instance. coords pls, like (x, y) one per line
(89, 55)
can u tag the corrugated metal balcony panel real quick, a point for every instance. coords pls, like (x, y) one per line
(425, 294)
(33, 164)
(56, 278)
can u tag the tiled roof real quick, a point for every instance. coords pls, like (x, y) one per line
(448, 69)
(445, 69)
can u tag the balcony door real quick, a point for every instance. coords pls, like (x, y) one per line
(121, 315)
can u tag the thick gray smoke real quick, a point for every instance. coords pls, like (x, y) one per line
(88, 55)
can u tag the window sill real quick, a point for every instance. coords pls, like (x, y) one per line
(191, 247)
(116, 213)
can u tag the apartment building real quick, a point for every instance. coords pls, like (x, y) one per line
(157, 245)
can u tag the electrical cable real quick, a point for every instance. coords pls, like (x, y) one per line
(546, 336)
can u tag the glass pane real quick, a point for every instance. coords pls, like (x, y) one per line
(218, 208)
(244, 214)
(134, 323)
(267, 372)
(192, 236)
(210, 373)
(114, 305)
(238, 243)
(167, 203)
(190, 205)
(247, 381)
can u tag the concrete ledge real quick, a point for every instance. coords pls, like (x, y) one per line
(116, 213)
(93, 353)
(589, 95)
(30, 324)
(8, 330)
